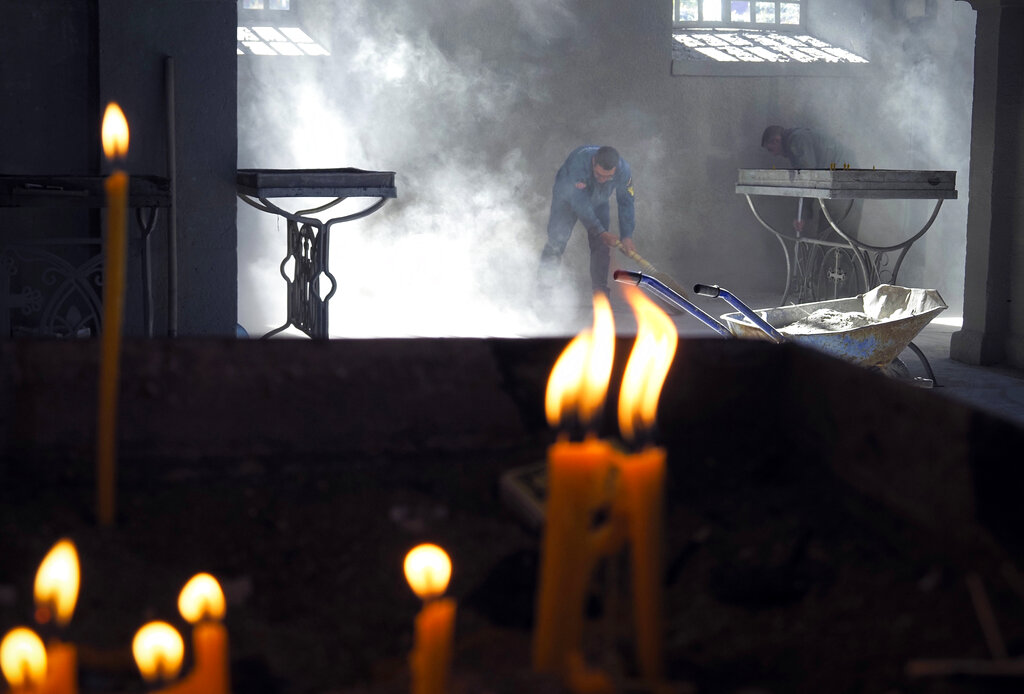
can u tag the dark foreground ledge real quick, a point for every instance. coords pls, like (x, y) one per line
(208, 400)
(299, 473)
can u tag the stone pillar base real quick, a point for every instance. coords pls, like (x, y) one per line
(977, 347)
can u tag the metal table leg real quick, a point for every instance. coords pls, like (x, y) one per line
(308, 246)
(860, 246)
(794, 268)
(782, 239)
(146, 219)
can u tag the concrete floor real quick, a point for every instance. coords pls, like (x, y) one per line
(999, 390)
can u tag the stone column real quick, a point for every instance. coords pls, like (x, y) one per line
(993, 329)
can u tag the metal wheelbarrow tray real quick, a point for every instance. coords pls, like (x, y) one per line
(895, 317)
(892, 317)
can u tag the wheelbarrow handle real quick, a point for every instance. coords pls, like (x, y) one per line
(671, 296)
(716, 291)
(707, 290)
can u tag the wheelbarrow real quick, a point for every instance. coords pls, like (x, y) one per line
(871, 329)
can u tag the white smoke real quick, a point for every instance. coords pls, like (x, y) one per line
(925, 104)
(456, 253)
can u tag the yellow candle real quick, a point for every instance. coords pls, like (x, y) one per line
(430, 661)
(202, 604)
(580, 678)
(23, 660)
(643, 485)
(61, 668)
(159, 649)
(115, 146)
(577, 474)
(56, 593)
(578, 487)
(642, 474)
(210, 647)
(428, 569)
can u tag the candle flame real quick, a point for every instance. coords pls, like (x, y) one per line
(23, 659)
(579, 379)
(428, 569)
(57, 581)
(159, 651)
(653, 350)
(114, 132)
(201, 598)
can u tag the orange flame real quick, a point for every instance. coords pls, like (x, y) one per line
(23, 659)
(57, 581)
(159, 651)
(579, 379)
(653, 350)
(201, 598)
(114, 132)
(428, 570)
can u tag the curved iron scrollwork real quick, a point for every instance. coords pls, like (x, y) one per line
(307, 254)
(45, 295)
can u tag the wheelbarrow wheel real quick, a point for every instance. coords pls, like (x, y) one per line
(897, 369)
(835, 275)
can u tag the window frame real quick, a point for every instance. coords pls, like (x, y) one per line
(281, 21)
(266, 14)
(730, 24)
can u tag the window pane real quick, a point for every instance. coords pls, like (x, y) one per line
(687, 11)
(280, 4)
(712, 10)
(740, 11)
(252, 4)
(790, 13)
(765, 13)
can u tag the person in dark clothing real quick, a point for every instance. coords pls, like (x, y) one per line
(809, 149)
(805, 148)
(581, 193)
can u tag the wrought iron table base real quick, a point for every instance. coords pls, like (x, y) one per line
(868, 264)
(308, 247)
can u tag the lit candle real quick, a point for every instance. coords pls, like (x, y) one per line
(56, 592)
(202, 605)
(23, 660)
(642, 474)
(115, 148)
(578, 487)
(158, 650)
(428, 569)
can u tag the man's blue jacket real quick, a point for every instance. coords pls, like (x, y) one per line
(575, 184)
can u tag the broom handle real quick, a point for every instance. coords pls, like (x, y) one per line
(651, 270)
(635, 257)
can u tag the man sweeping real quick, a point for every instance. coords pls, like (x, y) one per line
(583, 186)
